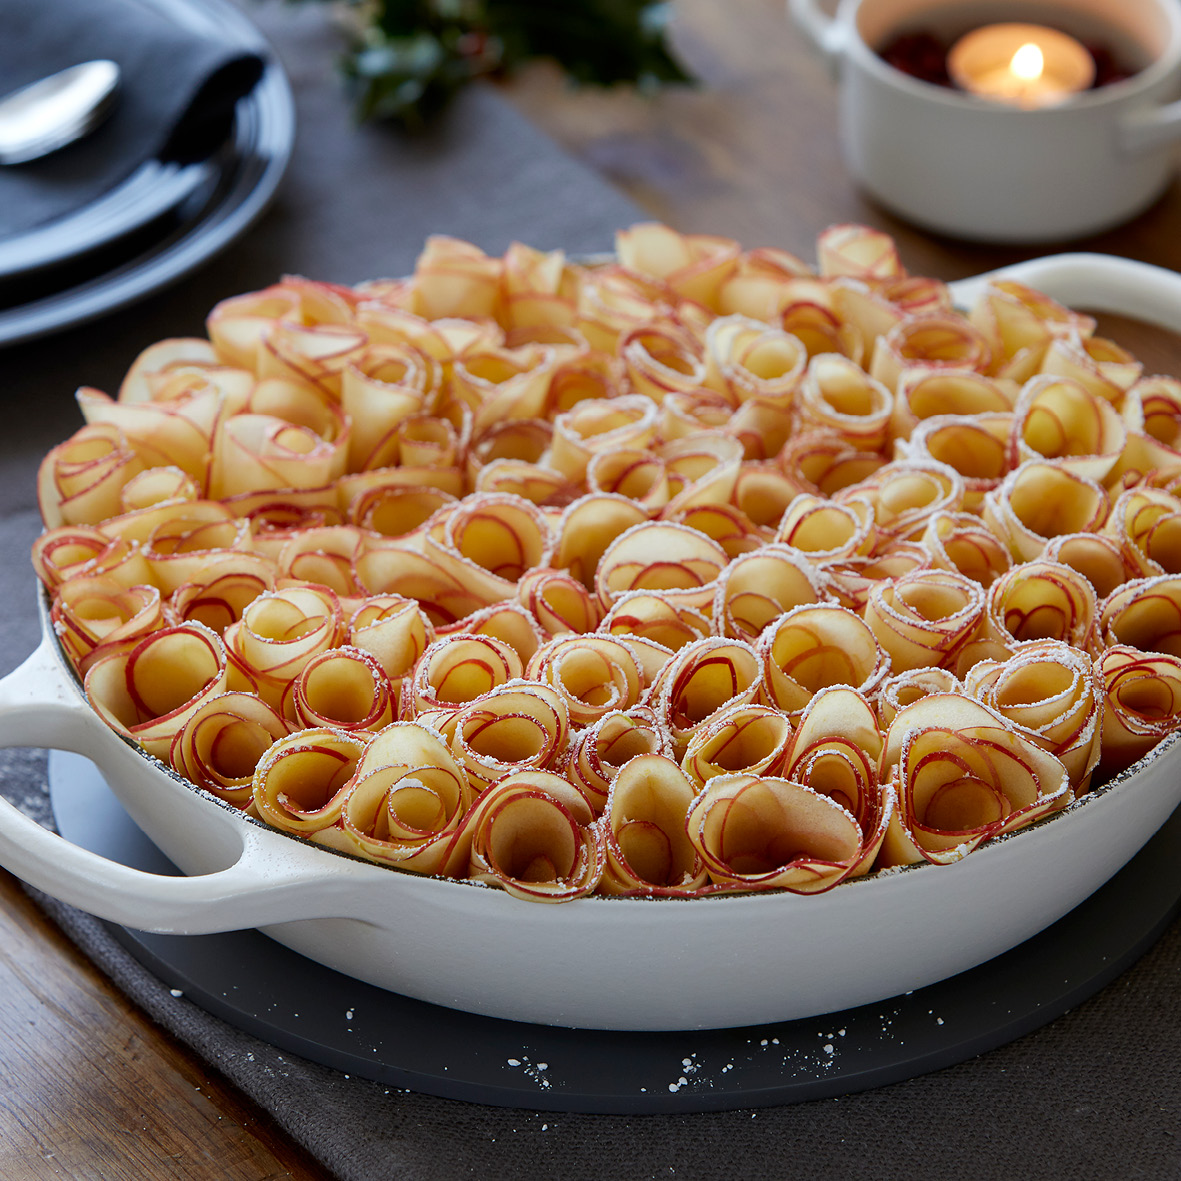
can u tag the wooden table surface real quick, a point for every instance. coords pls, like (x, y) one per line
(90, 1088)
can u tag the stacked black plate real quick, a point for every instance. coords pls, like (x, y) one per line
(166, 218)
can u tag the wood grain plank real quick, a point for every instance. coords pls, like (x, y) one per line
(90, 1088)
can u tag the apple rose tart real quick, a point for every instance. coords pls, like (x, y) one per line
(694, 571)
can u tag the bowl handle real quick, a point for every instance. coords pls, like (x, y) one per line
(39, 706)
(826, 34)
(1149, 128)
(1093, 282)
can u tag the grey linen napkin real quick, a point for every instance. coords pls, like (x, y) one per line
(177, 95)
(1095, 1094)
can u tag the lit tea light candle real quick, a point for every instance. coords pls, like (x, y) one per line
(1023, 65)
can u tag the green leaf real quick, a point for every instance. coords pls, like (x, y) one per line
(411, 56)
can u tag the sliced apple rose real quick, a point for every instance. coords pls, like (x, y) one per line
(963, 775)
(837, 395)
(558, 602)
(702, 470)
(532, 834)
(1050, 690)
(1141, 703)
(761, 426)
(933, 342)
(1144, 613)
(507, 621)
(88, 613)
(518, 726)
(597, 752)
(601, 425)
(648, 850)
(762, 494)
(278, 634)
(457, 669)
(1038, 501)
(177, 432)
(906, 688)
(1106, 562)
(1094, 362)
(758, 587)
(253, 452)
(153, 373)
(1152, 405)
(747, 359)
(905, 495)
(923, 618)
(757, 833)
(220, 745)
(395, 630)
(404, 802)
(693, 265)
(749, 738)
(923, 394)
(146, 691)
(80, 481)
(344, 688)
(397, 510)
(73, 550)
(189, 538)
(613, 300)
(758, 284)
(489, 542)
(812, 647)
(300, 785)
(822, 462)
(312, 355)
(639, 475)
(157, 485)
(852, 580)
(825, 530)
(964, 543)
(976, 446)
(661, 358)
(455, 278)
(380, 388)
(1150, 520)
(646, 615)
(325, 555)
(237, 325)
(733, 529)
(701, 680)
(503, 383)
(397, 569)
(858, 252)
(1042, 601)
(1056, 418)
(836, 751)
(1020, 323)
(663, 557)
(593, 674)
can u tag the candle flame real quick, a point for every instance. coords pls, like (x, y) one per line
(1028, 62)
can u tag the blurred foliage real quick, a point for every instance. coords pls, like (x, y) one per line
(408, 58)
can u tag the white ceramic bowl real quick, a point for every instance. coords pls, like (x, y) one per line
(607, 963)
(976, 169)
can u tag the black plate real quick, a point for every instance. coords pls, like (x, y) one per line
(302, 1007)
(171, 221)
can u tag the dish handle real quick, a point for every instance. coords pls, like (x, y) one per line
(39, 706)
(1092, 282)
(826, 34)
(1149, 128)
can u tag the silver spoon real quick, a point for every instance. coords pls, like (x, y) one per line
(49, 114)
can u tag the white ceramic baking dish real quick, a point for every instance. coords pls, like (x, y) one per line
(598, 962)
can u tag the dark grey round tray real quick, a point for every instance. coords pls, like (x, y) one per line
(302, 1007)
